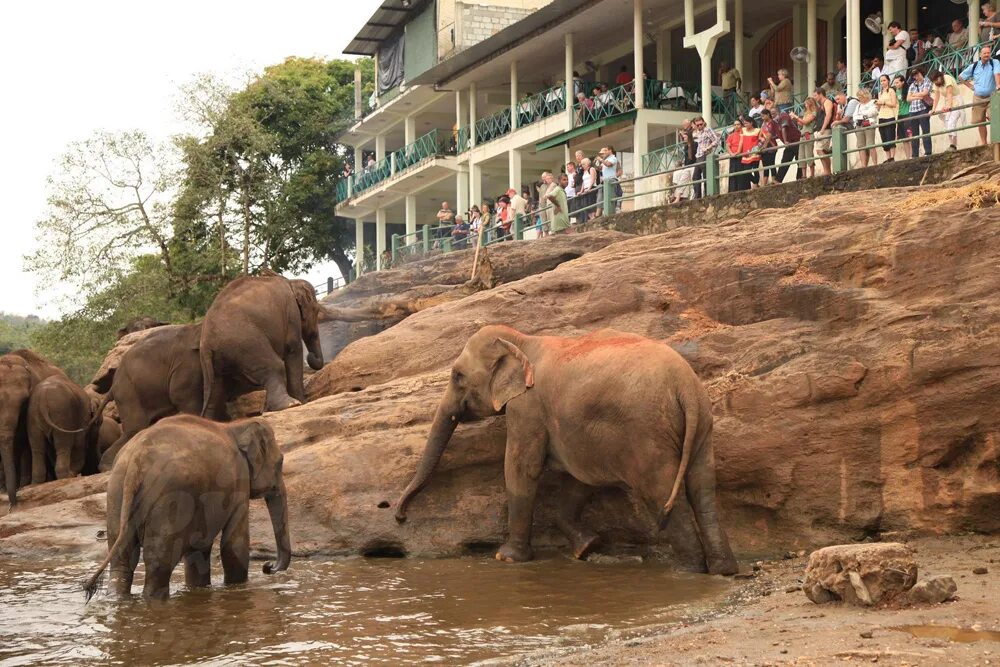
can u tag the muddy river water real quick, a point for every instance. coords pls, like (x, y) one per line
(355, 611)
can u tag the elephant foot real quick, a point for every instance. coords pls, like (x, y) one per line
(511, 553)
(290, 403)
(725, 565)
(583, 543)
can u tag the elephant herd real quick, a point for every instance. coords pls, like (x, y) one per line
(604, 409)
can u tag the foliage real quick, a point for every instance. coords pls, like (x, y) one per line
(16, 330)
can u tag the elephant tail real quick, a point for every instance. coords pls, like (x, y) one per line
(691, 419)
(207, 377)
(43, 410)
(126, 530)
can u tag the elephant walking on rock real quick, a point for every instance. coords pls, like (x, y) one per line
(609, 409)
(64, 426)
(176, 487)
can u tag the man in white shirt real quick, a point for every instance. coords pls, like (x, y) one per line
(895, 53)
(958, 38)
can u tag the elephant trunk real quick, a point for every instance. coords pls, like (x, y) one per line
(277, 507)
(445, 421)
(315, 356)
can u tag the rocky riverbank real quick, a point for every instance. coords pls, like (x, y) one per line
(851, 345)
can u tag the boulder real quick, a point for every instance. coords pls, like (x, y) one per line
(861, 574)
(934, 589)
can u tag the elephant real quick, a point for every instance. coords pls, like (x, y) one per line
(607, 408)
(64, 423)
(139, 324)
(253, 332)
(20, 372)
(176, 487)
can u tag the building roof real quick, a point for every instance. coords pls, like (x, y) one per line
(389, 18)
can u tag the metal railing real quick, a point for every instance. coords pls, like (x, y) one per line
(430, 145)
(463, 139)
(371, 176)
(329, 286)
(541, 105)
(615, 101)
(494, 126)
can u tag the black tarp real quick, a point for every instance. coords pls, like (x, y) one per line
(390, 64)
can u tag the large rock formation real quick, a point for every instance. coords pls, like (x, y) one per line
(851, 345)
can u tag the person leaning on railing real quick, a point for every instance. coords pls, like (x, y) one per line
(824, 117)
(790, 137)
(865, 120)
(807, 128)
(460, 233)
(769, 132)
(750, 160)
(707, 140)
(944, 94)
(958, 38)
(983, 77)
(733, 141)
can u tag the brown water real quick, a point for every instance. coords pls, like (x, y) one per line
(355, 611)
(953, 634)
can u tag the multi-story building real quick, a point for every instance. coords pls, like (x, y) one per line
(471, 95)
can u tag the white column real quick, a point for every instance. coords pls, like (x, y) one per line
(472, 114)
(461, 113)
(570, 100)
(706, 87)
(911, 14)
(888, 16)
(411, 217)
(833, 42)
(462, 192)
(798, 69)
(663, 56)
(379, 147)
(638, 37)
(739, 51)
(812, 43)
(359, 159)
(359, 246)
(514, 169)
(705, 42)
(475, 185)
(409, 129)
(513, 95)
(640, 138)
(853, 46)
(379, 236)
(975, 15)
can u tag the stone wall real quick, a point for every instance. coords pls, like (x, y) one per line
(476, 22)
(926, 170)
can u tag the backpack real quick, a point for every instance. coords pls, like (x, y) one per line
(977, 63)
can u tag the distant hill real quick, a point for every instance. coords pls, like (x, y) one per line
(16, 330)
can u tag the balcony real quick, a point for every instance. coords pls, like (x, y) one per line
(431, 145)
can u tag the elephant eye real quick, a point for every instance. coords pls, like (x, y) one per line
(457, 377)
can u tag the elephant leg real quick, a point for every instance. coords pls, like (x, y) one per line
(64, 444)
(270, 374)
(198, 569)
(38, 443)
(122, 570)
(157, 586)
(700, 489)
(108, 458)
(295, 375)
(235, 546)
(682, 531)
(573, 496)
(523, 463)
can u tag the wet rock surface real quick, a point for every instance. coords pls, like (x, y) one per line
(860, 574)
(853, 359)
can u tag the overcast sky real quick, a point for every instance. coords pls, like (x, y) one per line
(70, 68)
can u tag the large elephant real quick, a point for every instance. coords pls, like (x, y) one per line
(253, 333)
(609, 409)
(176, 487)
(20, 372)
(157, 377)
(64, 424)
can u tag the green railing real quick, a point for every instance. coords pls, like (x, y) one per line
(372, 176)
(463, 139)
(493, 126)
(342, 189)
(429, 145)
(950, 61)
(613, 102)
(541, 105)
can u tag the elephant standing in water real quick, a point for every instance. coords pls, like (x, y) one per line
(253, 333)
(609, 409)
(20, 372)
(180, 484)
(64, 425)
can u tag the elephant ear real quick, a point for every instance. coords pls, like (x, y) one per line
(251, 437)
(513, 374)
(305, 297)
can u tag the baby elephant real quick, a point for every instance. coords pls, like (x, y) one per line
(179, 484)
(607, 409)
(63, 428)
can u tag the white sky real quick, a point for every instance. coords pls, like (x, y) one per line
(70, 68)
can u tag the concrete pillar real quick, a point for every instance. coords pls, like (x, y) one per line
(409, 129)
(379, 147)
(359, 246)
(640, 147)
(812, 43)
(475, 185)
(912, 16)
(888, 16)
(706, 88)
(379, 236)
(798, 69)
(461, 113)
(739, 47)
(975, 14)
(513, 95)
(638, 38)
(472, 114)
(664, 66)
(567, 153)
(462, 192)
(834, 40)
(359, 159)
(853, 46)
(411, 217)
(705, 42)
(569, 81)
(514, 169)
(359, 108)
